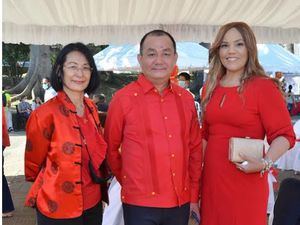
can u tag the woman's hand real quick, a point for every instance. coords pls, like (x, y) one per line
(250, 164)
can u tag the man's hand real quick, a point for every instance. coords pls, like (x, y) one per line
(194, 207)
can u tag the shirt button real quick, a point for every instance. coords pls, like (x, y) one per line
(124, 176)
(185, 188)
(173, 174)
(165, 117)
(170, 135)
(135, 94)
(153, 193)
(162, 100)
(173, 155)
(155, 90)
(179, 94)
(123, 196)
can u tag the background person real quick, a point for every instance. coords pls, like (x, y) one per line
(155, 124)
(102, 106)
(49, 91)
(36, 103)
(287, 206)
(65, 145)
(7, 202)
(24, 107)
(240, 100)
(184, 80)
(6, 98)
(290, 99)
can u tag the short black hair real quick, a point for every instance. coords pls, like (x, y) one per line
(57, 70)
(100, 96)
(46, 78)
(185, 75)
(157, 33)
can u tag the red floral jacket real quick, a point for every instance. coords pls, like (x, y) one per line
(53, 157)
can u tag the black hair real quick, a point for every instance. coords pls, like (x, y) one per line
(185, 75)
(46, 78)
(157, 33)
(57, 70)
(100, 96)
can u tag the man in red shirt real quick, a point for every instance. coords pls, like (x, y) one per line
(154, 140)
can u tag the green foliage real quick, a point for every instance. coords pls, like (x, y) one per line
(96, 48)
(54, 52)
(11, 54)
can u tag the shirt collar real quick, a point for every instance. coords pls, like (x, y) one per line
(148, 86)
(63, 97)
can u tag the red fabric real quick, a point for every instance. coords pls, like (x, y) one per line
(90, 191)
(5, 136)
(53, 158)
(160, 160)
(295, 109)
(173, 77)
(275, 173)
(229, 196)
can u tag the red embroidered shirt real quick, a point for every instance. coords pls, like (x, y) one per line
(159, 161)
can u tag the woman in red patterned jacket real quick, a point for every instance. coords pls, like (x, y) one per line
(65, 147)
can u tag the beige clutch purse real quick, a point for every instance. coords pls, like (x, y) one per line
(247, 146)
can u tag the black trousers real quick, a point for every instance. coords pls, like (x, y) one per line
(287, 205)
(138, 215)
(92, 216)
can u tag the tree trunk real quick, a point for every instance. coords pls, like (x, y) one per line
(40, 67)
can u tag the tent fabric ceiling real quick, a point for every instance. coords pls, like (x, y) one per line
(191, 56)
(126, 21)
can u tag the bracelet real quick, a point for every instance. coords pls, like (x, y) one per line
(268, 163)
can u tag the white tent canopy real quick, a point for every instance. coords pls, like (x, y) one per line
(126, 21)
(274, 58)
(191, 56)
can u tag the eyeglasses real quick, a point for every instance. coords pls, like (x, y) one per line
(85, 69)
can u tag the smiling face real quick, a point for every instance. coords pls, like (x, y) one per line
(233, 52)
(76, 73)
(158, 58)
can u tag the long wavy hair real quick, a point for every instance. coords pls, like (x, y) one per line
(216, 68)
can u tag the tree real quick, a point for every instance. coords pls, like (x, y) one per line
(40, 67)
(41, 59)
(96, 48)
(11, 55)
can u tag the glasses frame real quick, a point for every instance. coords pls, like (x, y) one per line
(76, 69)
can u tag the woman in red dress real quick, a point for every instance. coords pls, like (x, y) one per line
(239, 100)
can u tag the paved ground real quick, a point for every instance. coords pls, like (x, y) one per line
(14, 171)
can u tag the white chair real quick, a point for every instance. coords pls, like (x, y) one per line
(113, 213)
